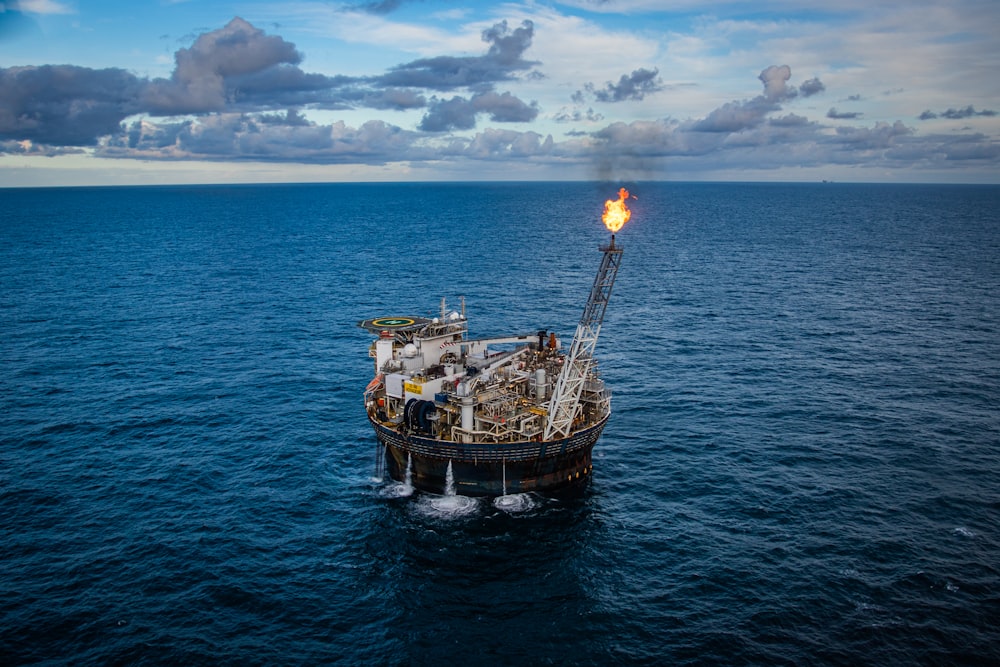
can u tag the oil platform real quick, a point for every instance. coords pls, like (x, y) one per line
(451, 411)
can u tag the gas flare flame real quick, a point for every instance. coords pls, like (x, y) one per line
(616, 213)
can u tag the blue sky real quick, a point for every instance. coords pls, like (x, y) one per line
(110, 92)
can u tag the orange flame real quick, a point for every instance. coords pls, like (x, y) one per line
(616, 213)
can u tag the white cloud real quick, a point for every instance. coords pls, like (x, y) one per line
(706, 110)
(41, 7)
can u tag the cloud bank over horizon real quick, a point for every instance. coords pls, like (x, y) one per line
(239, 94)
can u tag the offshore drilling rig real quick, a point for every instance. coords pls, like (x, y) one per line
(458, 414)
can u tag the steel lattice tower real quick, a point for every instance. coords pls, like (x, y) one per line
(565, 402)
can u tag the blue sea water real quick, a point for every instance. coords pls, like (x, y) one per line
(802, 466)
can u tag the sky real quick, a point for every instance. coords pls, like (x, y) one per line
(106, 92)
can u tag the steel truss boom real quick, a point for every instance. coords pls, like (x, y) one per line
(565, 403)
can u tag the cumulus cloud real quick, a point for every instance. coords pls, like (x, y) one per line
(742, 134)
(444, 73)
(811, 87)
(26, 147)
(652, 137)
(291, 118)
(634, 86)
(647, 147)
(880, 135)
(264, 137)
(289, 137)
(843, 115)
(65, 104)
(957, 114)
(243, 70)
(639, 147)
(505, 108)
(236, 67)
(739, 116)
(457, 113)
(283, 85)
(775, 79)
(577, 115)
(394, 99)
(238, 93)
(460, 114)
(205, 76)
(745, 133)
(972, 148)
(789, 120)
(492, 143)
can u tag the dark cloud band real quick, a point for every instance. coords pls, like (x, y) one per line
(238, 93)
(239, 68)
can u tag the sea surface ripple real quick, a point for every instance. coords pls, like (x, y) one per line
(802, 467)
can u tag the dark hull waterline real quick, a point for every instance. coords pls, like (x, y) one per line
(481, 469)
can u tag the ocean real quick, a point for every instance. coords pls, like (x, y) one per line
(802, 466)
